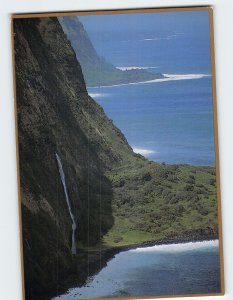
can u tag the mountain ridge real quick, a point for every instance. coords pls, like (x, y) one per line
(97, 71)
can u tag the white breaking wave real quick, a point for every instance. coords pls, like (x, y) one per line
(144, 152)
(96, 95)
(171, 77)
(181, 247)
(135, 68)
(63, 180)
(171, 36)
(168, 77)
(153, 39)
(185, 76)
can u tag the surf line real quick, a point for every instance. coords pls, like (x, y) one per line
(63, 180)
(167, 77)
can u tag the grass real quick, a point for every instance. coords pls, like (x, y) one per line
(158, 201)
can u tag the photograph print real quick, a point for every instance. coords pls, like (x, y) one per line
(117, 154)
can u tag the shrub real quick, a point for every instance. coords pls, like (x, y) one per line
(188, 187)
(191, 179)
(200, 185)
(212, 181)
(179, 209)
(146, 177)
(203, 211)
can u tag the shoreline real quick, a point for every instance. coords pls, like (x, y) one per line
(165, 78)
(99, 259)
(146, 244)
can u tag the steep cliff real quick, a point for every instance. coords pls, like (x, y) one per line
(118, 198)
(97, 71)
(56, 115)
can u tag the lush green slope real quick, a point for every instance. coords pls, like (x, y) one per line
(119, 198)
(157, 202)
(97, 71)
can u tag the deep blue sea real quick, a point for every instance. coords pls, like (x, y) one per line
(170, 121)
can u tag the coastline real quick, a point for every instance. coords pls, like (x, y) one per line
(99, 259)
(165, 78)
(168, 241)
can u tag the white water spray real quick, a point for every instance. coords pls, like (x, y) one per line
(62, 175)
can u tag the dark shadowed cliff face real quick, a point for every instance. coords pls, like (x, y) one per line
(56, 115)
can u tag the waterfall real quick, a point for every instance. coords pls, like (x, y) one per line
(63, 179)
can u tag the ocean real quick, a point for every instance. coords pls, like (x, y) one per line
(167, 121)
(175, 269)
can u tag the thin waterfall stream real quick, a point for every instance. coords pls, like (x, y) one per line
(74, 226)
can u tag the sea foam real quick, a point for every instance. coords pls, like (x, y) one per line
(181, 247)
(135, 68)
(144, 152)
(171, 36)
(96, 95)
(167, 77)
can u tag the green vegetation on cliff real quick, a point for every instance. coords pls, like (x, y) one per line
(97, 71)
(118, 197)
(157, 202)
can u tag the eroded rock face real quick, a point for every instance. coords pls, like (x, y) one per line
(55, 114)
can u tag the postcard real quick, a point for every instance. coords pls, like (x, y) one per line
(118, 154)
